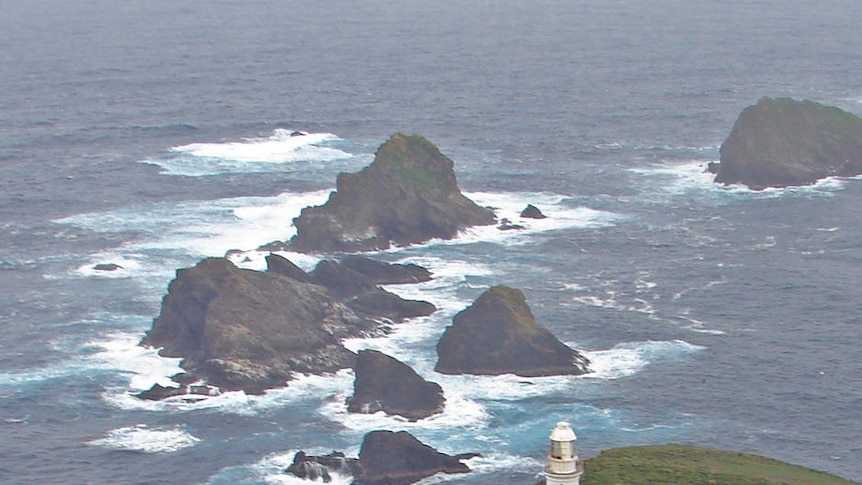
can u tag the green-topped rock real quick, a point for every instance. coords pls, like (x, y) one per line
(782, 142)
(407, 195)
(687, 465)
(499, 335)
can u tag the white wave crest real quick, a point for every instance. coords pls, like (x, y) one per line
(629, 358)
(147, 440)
(250, 155)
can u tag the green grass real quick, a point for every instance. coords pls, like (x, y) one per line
(689, 465)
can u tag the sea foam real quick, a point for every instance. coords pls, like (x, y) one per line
(147, 440)
(281, 150)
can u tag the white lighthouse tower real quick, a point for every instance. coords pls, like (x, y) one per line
(562, 467)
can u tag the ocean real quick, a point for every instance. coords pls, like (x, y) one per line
(151, 134)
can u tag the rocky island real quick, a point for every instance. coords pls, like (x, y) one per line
(382, 383)
(407, 195)
(498, 334)
(385, 458)
(240, 329)
(782, 142)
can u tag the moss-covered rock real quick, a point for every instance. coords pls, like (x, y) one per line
(499, 335)
(407, 195)
(782, 142)
(686, 465)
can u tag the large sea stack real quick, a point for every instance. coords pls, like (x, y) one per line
(499, 335)
(250, 330)
(407, 195)
(386, 384)
(782, 142)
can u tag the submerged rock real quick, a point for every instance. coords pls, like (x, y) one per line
(383, 383)
(407, 195)
(782, 142)
(498, 334)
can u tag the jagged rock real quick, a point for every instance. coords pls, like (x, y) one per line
(391, 306)
(284, 266)
(507, 225)
(340, 280)
(782, 142)
(498, 334)
(388, 458)
(532, 212)
(159, 392)
(383, 383)
(407, 195)
(320, 467)
(250, 330)
(107, 267)
(363, 295)
(385, 273)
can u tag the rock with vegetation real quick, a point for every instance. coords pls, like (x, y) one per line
(498, 334)
(686, 465)
(407, 195)
(251, 330)
(389, 458)
(386, 384)
(783, 142)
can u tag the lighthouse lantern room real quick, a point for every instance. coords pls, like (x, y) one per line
(563, 467)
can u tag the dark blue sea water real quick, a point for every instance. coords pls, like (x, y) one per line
(150, 134)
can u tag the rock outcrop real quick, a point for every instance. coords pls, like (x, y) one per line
(250, 330)
(499, 335)
(385, 273)
(532, 212)
(386, 458)
(323, 467)
(407, 195)
(360, 292)
(386, 384)
(782, 142)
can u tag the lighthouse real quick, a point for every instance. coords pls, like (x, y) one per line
(562, 467)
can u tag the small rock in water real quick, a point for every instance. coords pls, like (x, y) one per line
(107, 267)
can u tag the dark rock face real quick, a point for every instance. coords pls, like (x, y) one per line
(360, 293)
(385, 384)
(498, 335)
(250, 330)
(107, 267)
(384, 273)
(532, 212)
(283, 266)
(390, 306)
(408, 195)
(783, 142)
(388, 458)
(320, 467)
(243, 329)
